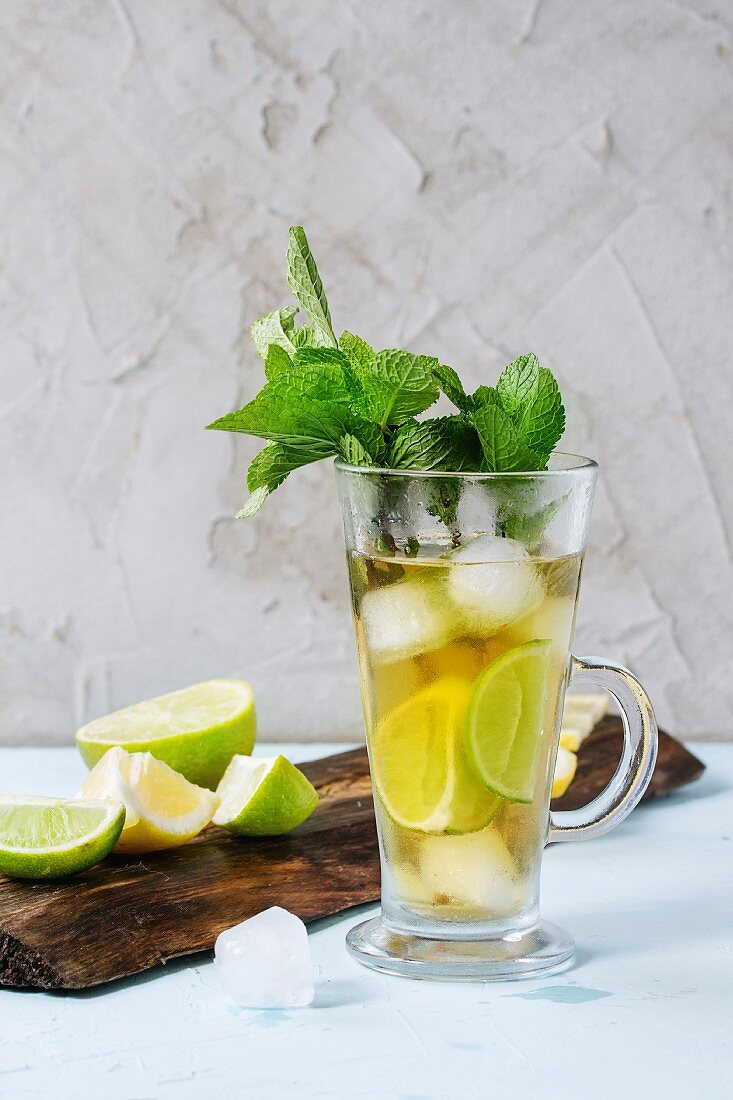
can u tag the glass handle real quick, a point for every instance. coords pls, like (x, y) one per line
(636, 765)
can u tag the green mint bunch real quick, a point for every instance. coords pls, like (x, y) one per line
(327, 396)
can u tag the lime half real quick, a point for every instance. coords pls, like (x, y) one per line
(420, 767)
(195, 731)
(264, 797)
(506, 718)
(55, 837)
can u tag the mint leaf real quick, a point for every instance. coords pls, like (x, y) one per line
(277, 360)
(451, 386)
(397, 386)
(275, 328)
(305, 283)
(445, 495)
(482, 396)
(268, 470)
(253, 503)
(307, 406)
(530, 395)
(360, 362)
(541, 418)
(358, 352)
(371, 439)
(319, 356)
(353, 452)
(518, 383)
(529, 398)
(447, 443)
(526, 526)
(272, 465)
(503, 449)
(308, 337)
(310, 356)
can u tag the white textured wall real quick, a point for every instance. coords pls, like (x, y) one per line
(478, 178)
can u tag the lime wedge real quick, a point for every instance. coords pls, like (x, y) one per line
(55, 837)
(264, 797)
(195, 731)
(506, 717)
(163, 809)
(420, 767)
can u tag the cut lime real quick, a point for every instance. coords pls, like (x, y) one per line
(195, 731)
(163, 809)
(55, 837)
(420, 767)
(264, 797)
(506, 719)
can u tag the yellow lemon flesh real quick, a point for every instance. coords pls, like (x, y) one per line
(163, 810)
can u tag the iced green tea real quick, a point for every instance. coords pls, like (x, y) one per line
(464, 657)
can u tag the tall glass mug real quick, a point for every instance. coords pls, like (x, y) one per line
(464, 592)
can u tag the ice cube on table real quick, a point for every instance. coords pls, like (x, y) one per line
(405, 619)
(493, 580)
(265, 962)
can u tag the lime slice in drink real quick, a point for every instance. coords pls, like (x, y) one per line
(195, 731)
(505, 720)
(420, 767)
(54, 837)
(164, 810)
(263, 797)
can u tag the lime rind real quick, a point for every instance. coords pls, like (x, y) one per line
(506, 719)
(196, 730)
(83, 832)
(267, 796)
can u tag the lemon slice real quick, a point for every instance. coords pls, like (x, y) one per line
(264, 797)
(44, 838)
(419, 763)
(195, 731)
(571, 738)
(163, 809)
(565, 766)
(581, 714)
(506, 719)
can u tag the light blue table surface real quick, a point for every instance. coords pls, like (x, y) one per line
(647, 1008)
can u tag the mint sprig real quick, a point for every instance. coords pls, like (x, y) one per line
(326, 396)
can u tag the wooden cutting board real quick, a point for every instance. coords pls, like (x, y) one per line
(126, 915)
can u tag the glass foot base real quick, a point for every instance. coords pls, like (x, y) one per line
(539, 950)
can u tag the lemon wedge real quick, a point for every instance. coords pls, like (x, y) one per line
(163, 810)
(565, 766)
(419, 763)
(580, 714)
(571, 738)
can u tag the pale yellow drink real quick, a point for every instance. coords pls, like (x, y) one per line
(463, 669)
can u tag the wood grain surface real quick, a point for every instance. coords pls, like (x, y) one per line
(126, 915)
